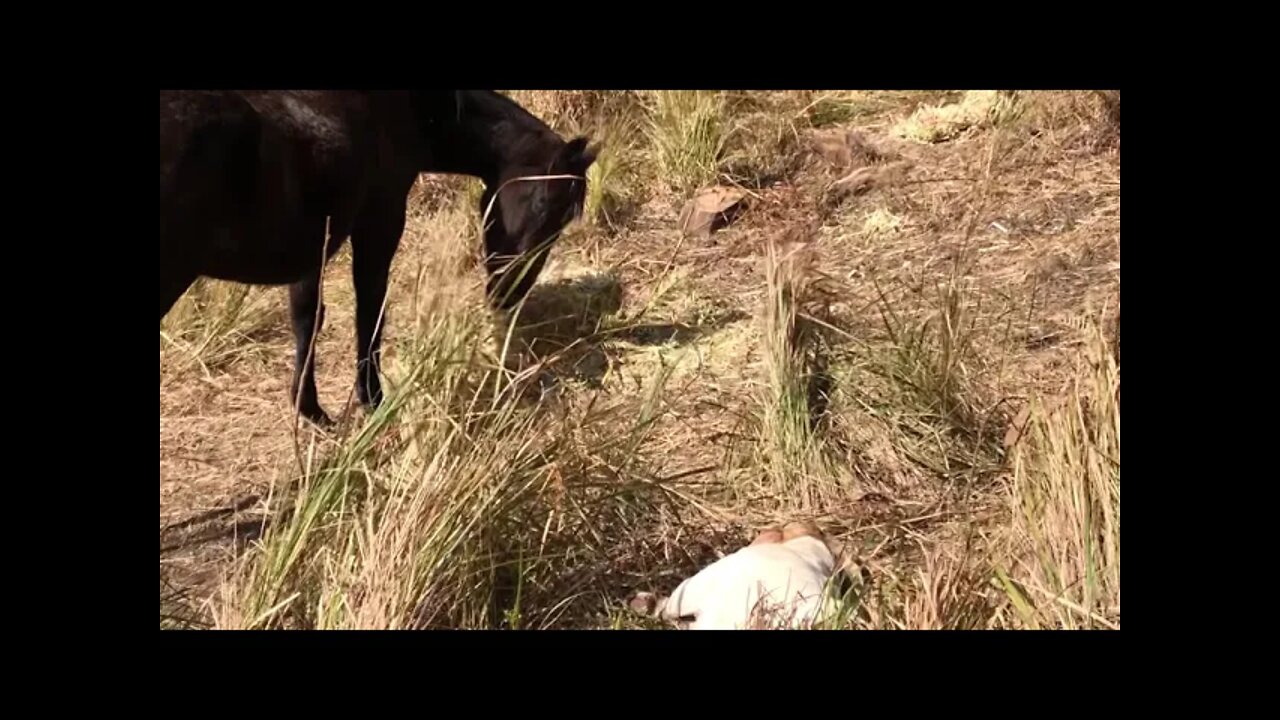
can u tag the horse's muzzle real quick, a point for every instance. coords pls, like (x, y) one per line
(510, 282)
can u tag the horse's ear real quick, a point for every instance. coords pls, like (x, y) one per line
(578, 156)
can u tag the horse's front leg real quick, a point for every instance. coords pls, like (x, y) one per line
(306, 312)
(373, 245)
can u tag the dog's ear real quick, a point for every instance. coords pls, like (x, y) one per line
(800, 529)
(771, 535)
(644, 603)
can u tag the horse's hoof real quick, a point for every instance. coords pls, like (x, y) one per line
(319, 419)
(370, 401)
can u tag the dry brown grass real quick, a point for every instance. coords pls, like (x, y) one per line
(657, 397)
(792, 452)
(688, 132)
(1064, 495)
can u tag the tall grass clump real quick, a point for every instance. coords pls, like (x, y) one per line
(934, 386)
(791, 447)
(612, 180)
(445, 507)
(312, 568)
(210, 323)
(687, 131)
(1064, 494)
(930, 356)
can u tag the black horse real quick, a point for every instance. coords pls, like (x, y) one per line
(249, 180)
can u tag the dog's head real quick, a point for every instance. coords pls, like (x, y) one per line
(844, 558)
(768, 536)
(847, 568)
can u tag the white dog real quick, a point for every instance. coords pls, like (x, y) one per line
(780, 580)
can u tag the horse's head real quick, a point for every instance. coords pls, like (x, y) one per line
(534, 205)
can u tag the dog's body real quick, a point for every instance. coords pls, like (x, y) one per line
(780, 580)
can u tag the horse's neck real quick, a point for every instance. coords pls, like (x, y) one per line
(491, 135)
